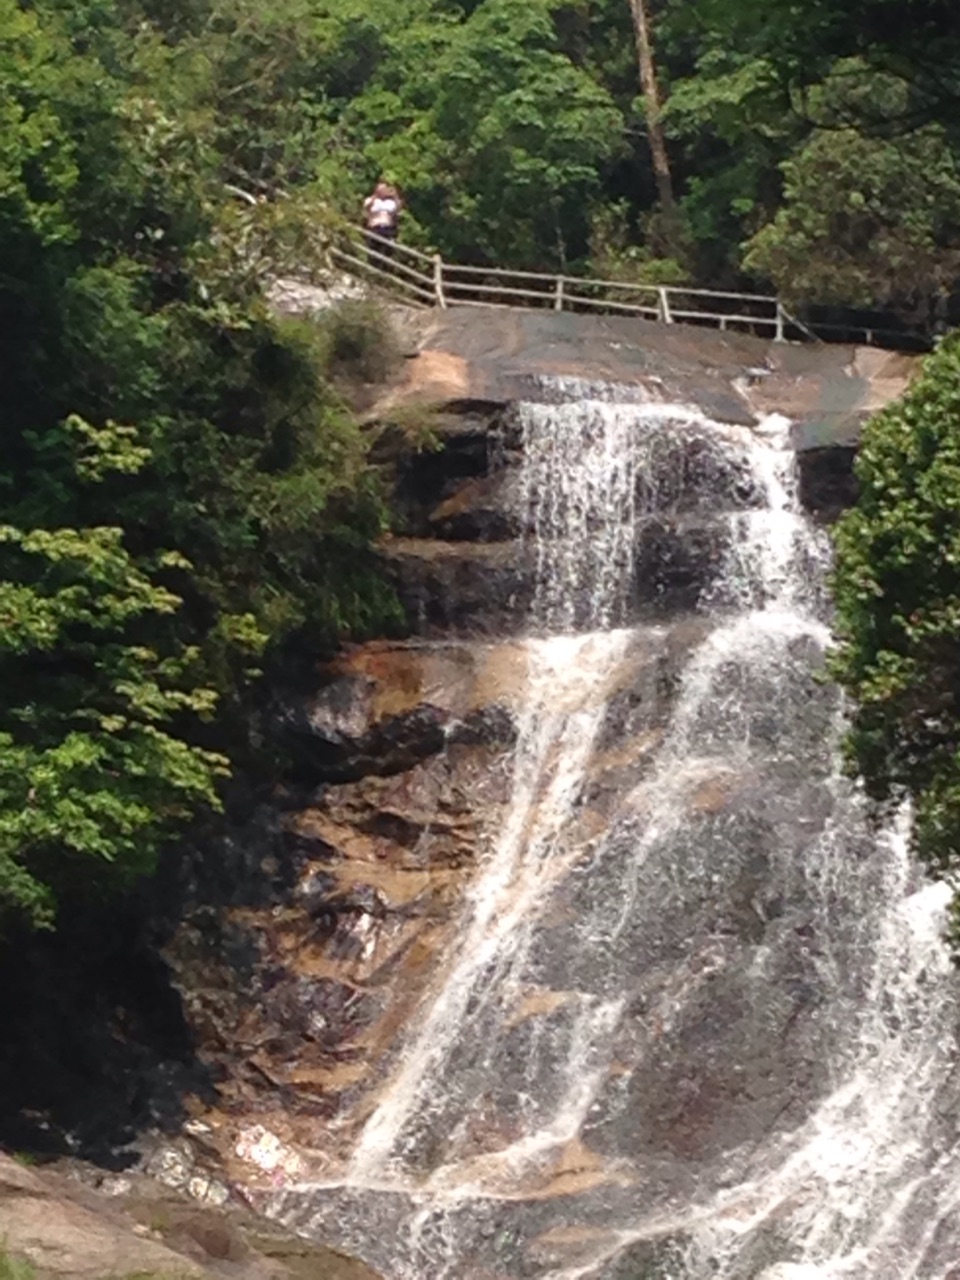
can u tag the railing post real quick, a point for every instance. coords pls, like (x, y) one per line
(438, 281)
(780, 335)
(558, 295)
(664, 300)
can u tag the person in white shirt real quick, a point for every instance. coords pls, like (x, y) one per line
(381, 216)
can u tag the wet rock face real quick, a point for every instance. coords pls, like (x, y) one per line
(648, 1260)
(296, 993)
(454, 488)
(384, 708)
(484, 589)
(828, 483)
(463, 557)
(461, 588)
(302, 959)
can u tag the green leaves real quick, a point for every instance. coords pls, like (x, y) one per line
(89, 761)
(897, 586)
(865, 219)
(181, 488)
(37, 165)
(497, 137)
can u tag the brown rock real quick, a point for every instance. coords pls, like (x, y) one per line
(58, 1221)
(503, 355)
(336, 964)
(43, 1223)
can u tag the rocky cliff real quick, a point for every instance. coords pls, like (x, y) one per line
(309, 939)
(505, 355)
(297, 993)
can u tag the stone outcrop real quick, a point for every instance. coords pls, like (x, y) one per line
(507, 354)
(296, 994)
(72, 1222)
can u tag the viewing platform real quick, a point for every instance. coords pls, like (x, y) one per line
(428, 281)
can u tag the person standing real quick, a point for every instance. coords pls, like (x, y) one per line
(381, 215)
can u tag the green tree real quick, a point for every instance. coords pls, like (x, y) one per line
(497, 138)
(735, 122)
(897, 588)
(150, 570)
(758, 94)
(916, 40)
(142, 311)
(866, 219)
(95, 695)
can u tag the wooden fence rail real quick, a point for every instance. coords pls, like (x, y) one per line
(426, 280)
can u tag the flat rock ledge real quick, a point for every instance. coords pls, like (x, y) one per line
(501, 355)
(73, 1222)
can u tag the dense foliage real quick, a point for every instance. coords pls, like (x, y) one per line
(898, 604)
(181, 488)
(517, 131)
(89, 761)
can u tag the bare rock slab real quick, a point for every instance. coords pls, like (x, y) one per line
(67, 1227)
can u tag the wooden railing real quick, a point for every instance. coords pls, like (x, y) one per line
(426, 280)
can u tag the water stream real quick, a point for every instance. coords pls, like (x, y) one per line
(698, 1020)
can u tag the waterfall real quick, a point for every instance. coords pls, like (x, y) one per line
(697, 1018)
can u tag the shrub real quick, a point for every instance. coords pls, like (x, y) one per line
(357, 343)
(897, 586)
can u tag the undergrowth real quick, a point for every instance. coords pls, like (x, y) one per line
(12, 1268)
(358, 343)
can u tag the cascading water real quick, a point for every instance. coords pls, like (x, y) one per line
(698, 1019)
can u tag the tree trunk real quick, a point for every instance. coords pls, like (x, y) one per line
(651, 101)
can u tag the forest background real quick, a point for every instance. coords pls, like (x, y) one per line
(184, 491)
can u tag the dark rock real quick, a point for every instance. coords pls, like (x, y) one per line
(461, 589)
(392, 746)
(322, 1010)
(698, 474)
(478, 590)
(95, 1045)
(468, 450)
(317, 889)
(372, 714)
(828, 483)
(481, 510)
(487, 726)
(648, 1260)
(676, 561)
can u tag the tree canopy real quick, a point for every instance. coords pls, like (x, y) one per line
(898, 607)
(518, 131)
(182, 488)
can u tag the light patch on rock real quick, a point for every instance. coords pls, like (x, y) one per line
(257, 1145)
